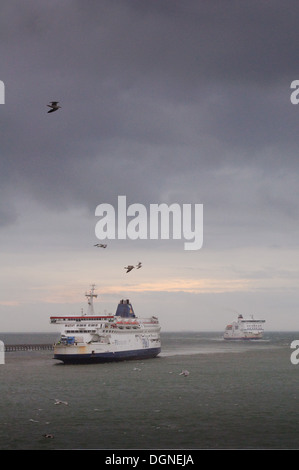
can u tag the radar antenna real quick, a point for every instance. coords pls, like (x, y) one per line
(90, 296)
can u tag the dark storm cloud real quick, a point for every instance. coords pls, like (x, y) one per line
(158, 98)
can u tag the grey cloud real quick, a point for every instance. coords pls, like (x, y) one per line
(157, 98)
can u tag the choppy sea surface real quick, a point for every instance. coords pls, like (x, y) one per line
(238, 395)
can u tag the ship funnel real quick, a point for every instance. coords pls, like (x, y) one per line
(125, 309)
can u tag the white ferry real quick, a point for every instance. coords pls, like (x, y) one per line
(244, 328)
(91, 338)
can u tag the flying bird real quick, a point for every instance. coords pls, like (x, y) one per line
(185, 373)
(139, 265)
(100, 245)
(129, 268)
(54, 105)
(60, 402)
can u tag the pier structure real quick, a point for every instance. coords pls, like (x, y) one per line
(28, 347)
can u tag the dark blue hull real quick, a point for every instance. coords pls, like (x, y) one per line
(107, 357)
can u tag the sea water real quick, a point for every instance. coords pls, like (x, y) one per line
(238, 395)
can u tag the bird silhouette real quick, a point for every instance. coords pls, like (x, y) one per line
(54, 105)
(129, 268)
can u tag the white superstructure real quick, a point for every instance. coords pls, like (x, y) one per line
(102, 338)
(244, 328)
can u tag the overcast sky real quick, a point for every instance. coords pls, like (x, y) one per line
(164, 101)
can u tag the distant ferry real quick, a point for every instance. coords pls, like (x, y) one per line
(90, 338)
(245, 328)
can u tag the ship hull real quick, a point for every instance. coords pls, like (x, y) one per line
(102, 357)
(243, 336)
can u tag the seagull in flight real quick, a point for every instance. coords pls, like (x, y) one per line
(100, 245)
(139, 265)
(54, 105)
(129, 268)
(185, 373)
(60, 402)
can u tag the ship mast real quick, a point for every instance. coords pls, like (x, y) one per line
(90, 297)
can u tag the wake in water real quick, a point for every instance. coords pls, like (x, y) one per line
(211, 345)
